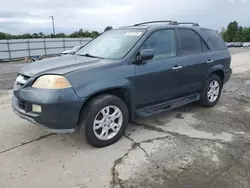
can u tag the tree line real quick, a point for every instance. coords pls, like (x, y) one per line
(235, 33)
(77, 34)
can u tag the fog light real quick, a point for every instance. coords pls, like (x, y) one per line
(36, 108)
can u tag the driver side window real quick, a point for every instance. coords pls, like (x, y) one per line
(162, 43)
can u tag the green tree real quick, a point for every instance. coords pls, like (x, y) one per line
(235, 33)
(41, 35)
(232, 30)
(224, 34)
(61, 35)
(5, 36)
(239, 34)
(246, 34)
(76, 34)
(2, 35)
(35, 35)
(94, 34)
(108, 28)
(26, 36)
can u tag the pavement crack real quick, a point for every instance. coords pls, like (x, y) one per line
(158, 129)
(114, 173)
(150, 127)
(137, 144)
(116, 181)
(154, 139)
(25, 143)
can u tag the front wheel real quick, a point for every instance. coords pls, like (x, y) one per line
(104, 120)
(211, 91)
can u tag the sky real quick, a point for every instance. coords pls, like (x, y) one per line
(29, 16)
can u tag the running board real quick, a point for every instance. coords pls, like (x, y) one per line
(165, 106)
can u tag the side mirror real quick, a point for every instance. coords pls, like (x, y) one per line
(145, 55)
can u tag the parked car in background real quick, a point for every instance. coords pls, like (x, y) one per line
(229, 44)
(238, 44)
(73, 50)
(138, 70)
(246, 44)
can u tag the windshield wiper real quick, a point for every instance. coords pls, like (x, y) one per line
(88, 55)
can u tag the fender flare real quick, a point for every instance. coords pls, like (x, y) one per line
(214, 69)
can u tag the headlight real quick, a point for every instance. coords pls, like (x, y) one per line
(51, 82)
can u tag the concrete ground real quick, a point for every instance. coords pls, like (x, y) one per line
(187, 147)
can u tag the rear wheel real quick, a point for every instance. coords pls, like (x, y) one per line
(211, 91)
(104, 120)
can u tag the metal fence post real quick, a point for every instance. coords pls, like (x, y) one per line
(64, 47)
(28, 41)
(8, 45)
(45, 50)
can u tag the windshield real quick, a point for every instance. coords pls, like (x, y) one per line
(114, 44)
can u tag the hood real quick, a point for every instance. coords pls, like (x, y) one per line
(61, 65)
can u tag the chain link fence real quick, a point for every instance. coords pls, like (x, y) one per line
(19, 49)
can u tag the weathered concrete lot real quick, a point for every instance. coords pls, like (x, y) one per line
(187, 147)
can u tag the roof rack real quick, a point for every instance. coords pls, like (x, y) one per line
(167, 21)
(170, 22)
(191, 23)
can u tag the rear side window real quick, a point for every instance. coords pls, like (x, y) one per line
(190, 42)
(215, 39)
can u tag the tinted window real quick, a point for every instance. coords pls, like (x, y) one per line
(190, 42)
(162, 42)
(215, 39)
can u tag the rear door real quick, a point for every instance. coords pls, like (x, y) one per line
(194, 60)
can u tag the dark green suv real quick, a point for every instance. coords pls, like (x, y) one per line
(141, 70)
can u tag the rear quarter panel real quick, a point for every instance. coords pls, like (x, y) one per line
(222, 61)
(218, 52)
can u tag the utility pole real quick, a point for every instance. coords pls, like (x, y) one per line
(53, 24)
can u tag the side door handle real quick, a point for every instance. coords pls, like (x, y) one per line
(210, 61)
(176, 67)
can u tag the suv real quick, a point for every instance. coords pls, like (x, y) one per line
(141, 70)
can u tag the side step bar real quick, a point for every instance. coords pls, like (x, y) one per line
(165, 106)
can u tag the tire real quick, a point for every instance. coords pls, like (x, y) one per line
(205, 99)
(92, 111)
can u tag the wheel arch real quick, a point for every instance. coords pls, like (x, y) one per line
(218, 70)
(121, 92)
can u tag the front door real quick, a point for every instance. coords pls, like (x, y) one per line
(155, 79)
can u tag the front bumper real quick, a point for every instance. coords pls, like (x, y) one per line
(60, 108)
(227, 75)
